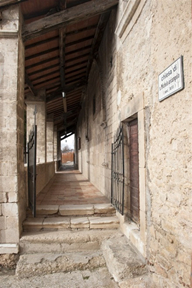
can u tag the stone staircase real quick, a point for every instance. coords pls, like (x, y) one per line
(82, 239)
(70, 217)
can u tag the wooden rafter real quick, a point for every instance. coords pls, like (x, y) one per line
(66, 17)
(43, 70)
(5, 3)
(42, 62)
(42, 53)
(69, 88)
(97, 38)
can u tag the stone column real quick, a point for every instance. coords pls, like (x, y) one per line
(12, 184)
(50, 140)
(55, 138)
(39, 104)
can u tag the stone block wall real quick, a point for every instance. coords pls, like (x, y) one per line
(141, 40)
(12, 181)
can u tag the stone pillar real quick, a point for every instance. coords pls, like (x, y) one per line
(39, 104)
(12, 184)
(50, 140)
(55, 156)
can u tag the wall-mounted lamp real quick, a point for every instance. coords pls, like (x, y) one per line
(63, 94)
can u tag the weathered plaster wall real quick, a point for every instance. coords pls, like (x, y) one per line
(12, 196)
(169, 172)
(136, 48)
(45, 172)
(92, 153)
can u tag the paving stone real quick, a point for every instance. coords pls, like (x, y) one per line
(122, 261)
(74, 210)
(56, 223)
(80, 223)
(33, 224)
(86, 279)
(47, 263)
(104, 208)
(104, 222)
(61, 241)
(47, 209)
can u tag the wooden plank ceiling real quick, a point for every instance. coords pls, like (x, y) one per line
(61, 39)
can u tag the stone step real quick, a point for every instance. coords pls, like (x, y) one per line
(48, 263)
(127, 266)
(62, 241)
(74, 210)
(70, 223)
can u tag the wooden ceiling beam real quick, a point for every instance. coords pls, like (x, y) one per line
(47, 81)
(41, 42)
(42, 62)
(62, 36)
(75, 76)
(42, 53)
(78, 50)
(77, 58)
(5, 3)
(85, 29)
(76, 70)
(45, 75)
(67, 88)
(97, 39)
(79, 41)
(69, 16)
(43, 70)
(76, 64)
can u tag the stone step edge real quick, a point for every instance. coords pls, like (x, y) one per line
(47, 263)
(71, 223)
(124, 263)
(65, 210)
(62, 241)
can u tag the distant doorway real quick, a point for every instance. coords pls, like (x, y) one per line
(134, 170)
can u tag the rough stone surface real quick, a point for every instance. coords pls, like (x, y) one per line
(104, 222)
(41, 264)
(122, 261)
(85, 279)
(8, 261)
(124, 79)
(12, 181)
(62, 241)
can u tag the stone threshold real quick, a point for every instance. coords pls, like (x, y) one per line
(75, 210)
(70, 223)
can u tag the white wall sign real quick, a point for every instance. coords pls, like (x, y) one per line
(171, 79)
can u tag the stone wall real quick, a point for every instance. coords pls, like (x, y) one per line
(141, 40)
(12, 181)
(45, 172)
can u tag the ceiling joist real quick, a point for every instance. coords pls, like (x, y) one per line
(66, 17)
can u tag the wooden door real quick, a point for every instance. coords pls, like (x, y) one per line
(134, 170)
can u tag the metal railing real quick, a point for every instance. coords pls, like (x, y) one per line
(117, 171)
(31, 160)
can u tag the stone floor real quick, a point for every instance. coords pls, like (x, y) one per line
(69, 187)
(76, 279)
